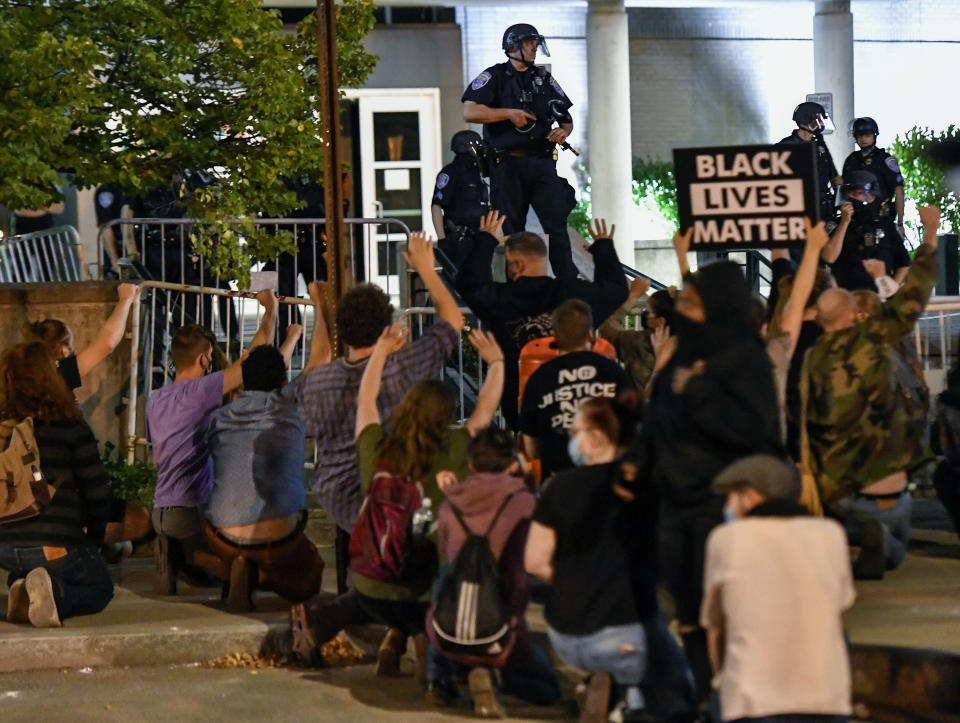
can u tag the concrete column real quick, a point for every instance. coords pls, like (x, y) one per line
(833, 69)
(610, 157)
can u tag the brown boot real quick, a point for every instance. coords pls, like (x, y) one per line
(388, 656)
(597, 700)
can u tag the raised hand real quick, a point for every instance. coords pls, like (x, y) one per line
(128, 292)
(598, 229)
(486, 345)
(419, 253)
(492, 224)
(929, 216)
(392, 339)
(816, 236)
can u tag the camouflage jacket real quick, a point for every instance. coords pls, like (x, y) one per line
(860, 419)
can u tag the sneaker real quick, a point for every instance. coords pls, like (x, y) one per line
(484, 695)
(597, 699)
(43, 608)
(388, 656)
(240, 594)
(871, 564)
(18, 604)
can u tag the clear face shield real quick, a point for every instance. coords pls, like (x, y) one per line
(822, 124)
(858, 195)
(541, 47)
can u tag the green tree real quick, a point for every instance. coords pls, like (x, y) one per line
(212, 96)
(924, 180)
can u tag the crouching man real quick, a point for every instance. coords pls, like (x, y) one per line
(258, 509)
(776, 582)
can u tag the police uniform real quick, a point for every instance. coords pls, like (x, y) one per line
(462, 194)
(527, 173)
(873, 237)
(882, 165)
(826, 172)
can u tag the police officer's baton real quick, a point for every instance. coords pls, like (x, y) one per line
(567, 147)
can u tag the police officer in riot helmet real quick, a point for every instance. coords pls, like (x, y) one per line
(461, 197)
(881, 164)
(869, 236)
(812, 120)
(518, 103)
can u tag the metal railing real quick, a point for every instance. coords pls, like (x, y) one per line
(151, 367)
(936, 337)
(164, 250)
(51, 255)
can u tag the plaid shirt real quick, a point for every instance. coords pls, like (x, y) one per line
(328, 407)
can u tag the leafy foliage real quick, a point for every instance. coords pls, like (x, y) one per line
(924, 180)
(145, 93)
(135, 482)
(651, 179)
(655, 178)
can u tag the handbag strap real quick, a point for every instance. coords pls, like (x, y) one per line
(493, 522)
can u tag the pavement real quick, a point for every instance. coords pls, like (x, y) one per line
(148, 640)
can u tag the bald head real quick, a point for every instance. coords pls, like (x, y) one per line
(836, 309)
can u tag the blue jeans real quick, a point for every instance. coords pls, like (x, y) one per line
(795, 718)
(895, 520)
(600, 652)
(81, 581)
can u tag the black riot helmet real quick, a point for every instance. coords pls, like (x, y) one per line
(810, 113)
(856, 181)
(516, 34)
(864, 126)
(466, 143)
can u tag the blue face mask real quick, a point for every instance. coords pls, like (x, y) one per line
(573, 451)
(728, 515)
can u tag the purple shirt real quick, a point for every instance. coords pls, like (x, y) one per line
(328, 407)
(177, 419)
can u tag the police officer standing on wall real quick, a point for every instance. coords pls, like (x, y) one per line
(513, 102)
(881, 164)
(460, 197)
(812, 120)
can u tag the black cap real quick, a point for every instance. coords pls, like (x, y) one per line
(462, 140)
(805, 113)
(859, 179)
(515, 34)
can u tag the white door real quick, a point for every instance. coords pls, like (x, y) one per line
(399, 161)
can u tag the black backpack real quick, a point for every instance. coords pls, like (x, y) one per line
(471, 621)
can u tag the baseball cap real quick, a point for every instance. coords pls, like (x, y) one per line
(770, 476)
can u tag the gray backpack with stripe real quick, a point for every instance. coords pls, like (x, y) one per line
(471, 620)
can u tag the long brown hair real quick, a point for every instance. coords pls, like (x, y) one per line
(417, 429)
(31, 386)
(52, 332)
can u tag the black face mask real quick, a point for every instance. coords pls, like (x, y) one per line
(865, 211)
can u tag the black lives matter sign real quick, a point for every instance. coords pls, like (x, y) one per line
(746, 196)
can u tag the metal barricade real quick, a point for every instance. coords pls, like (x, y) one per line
(936, 337)
(51, 255)
(157, 305)
(164, 249)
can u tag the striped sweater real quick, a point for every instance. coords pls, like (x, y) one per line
(69, 458)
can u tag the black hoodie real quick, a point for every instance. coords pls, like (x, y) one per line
(727, 412)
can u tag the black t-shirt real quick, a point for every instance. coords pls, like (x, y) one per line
(869, 239)
(460, 192)
(553, 393)
(29, 224)
(503, 86)
(881, 164)
(70, 372)
(109, 204)
(604, 561)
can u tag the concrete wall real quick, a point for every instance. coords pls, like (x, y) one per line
(83, 307)
(422, 56)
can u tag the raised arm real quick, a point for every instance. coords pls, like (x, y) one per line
(681, 244)
(320, 350)
(489, 397)
(232, 375)
(294, 332)
(390, 341)
(831, 252)
(419, 255)
(792, 318)
(112, 332)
